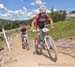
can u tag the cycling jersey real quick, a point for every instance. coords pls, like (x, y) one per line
(40, 20)
(23, 30)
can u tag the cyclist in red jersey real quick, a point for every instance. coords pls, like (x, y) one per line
(39, 21)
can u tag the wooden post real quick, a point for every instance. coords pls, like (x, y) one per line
(8, 45)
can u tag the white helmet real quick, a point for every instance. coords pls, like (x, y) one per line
(42, 9)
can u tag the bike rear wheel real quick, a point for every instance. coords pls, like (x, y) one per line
(51, 47)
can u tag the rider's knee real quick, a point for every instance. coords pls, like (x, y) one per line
(38, 34)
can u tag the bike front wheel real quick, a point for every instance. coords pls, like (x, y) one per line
(38, 50)
(51, 47)
(25, 44)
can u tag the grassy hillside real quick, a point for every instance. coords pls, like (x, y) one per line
(63, 29)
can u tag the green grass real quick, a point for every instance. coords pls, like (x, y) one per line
(64, 29)
(9, 33)
(2, 42)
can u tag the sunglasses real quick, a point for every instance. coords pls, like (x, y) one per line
(43, 12)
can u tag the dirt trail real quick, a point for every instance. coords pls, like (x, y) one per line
(19, 57)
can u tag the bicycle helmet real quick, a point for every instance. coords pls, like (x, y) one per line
(42, 9)
(23, 26)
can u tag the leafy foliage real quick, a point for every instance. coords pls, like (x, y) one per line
(7, 24)
(58, 15)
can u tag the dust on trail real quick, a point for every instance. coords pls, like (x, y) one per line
(19, 57)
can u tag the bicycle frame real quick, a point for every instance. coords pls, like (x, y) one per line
(47, 42)
(42, 36)
(25, 37)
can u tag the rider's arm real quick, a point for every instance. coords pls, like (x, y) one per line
(50, 20)
(34, 21)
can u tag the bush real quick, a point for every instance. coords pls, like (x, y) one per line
(58, 15)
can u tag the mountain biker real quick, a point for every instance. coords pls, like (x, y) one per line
(23, 32)
(38, 22)
(23, 29)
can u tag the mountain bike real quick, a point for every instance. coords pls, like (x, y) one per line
(47, 43)
(25, 44)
